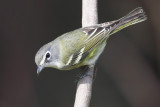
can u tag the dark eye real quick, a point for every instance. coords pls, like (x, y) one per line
(48, 55)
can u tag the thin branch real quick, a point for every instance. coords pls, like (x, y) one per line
(84, 86)
(84, 89)
(89, 12)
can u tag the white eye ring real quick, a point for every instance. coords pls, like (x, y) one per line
(48, 55)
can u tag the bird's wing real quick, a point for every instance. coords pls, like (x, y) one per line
(95, 36)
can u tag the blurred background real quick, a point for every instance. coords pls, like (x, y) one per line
(128, 69)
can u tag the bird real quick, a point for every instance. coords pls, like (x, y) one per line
(83, 46)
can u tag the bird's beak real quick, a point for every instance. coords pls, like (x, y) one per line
(39, 69)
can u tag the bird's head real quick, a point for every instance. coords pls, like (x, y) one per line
(47, 56)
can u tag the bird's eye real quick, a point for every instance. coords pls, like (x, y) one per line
(48, 55)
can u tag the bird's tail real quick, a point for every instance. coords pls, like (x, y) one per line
(135, 16)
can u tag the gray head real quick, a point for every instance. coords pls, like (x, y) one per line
(47, 56)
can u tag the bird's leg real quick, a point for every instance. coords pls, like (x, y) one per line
(87, 71)
(94, 72)
(81, 73)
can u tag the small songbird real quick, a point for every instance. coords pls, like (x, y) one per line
(83, 46)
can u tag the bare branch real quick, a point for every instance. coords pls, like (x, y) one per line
(84, 89)
(84, 86)
(89, 12)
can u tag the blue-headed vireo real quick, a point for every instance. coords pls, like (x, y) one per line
(83, 46)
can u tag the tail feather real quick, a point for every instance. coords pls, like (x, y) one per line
(135, 16)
